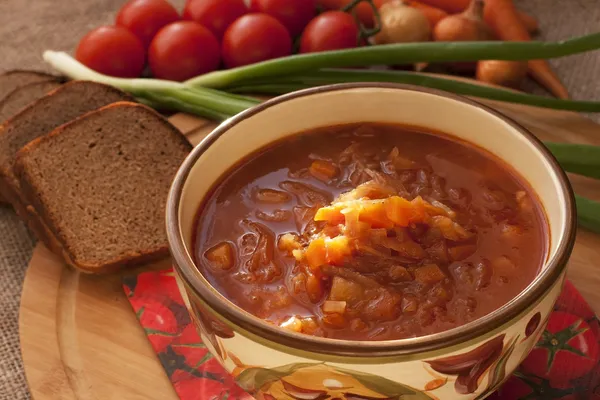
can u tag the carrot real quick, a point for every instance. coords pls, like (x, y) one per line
(456, 6)
(502, 17)
(531, 24)
(434, 10)
(364, 11)
(450, 6)
(433, 14)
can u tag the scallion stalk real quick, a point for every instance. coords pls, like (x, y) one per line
(579, 159)
(170, 95)
(396, 54)
(588, 213)
(72, 68)
(290, 83)
(215, 104)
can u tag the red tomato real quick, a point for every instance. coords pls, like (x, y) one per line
(216, 15)
(144, 18)
(332, 30)
(570, 300)
(112, 50)
(182, 50)
(254, 38)
(567, 350)
(294, 15)
(363, 10)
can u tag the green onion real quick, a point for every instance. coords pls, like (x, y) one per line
(215, 104)
(588, 213)
(396, 54)
(72, 68)
(579, 159)
(168, 95)
(286, 84)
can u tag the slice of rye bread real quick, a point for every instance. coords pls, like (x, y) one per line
(22, 96)
(11, 80)
(99, 184)
(64, 104)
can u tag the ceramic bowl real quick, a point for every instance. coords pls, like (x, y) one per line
(467, 362)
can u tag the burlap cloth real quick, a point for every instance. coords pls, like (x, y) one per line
(27, 27)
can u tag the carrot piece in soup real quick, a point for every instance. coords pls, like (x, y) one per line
(323, 170)
(337, 249)
(316, 253)
(314, 288)
(374, 213)
(331, 214)
(221, 256)
(429, 274)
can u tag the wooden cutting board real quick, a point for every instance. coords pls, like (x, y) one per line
(80, 338)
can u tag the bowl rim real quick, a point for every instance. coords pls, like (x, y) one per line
(188, 271)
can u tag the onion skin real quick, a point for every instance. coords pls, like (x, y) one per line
(464, 27)
(401, 24)
(503, 73)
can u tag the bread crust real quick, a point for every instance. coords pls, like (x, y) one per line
(41, 223)
(7, 184)
(8, 98)
(39, 74)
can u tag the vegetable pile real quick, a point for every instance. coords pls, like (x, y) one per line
(211, 34)
(203, 61)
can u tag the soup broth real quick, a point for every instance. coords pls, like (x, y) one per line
(370, 232)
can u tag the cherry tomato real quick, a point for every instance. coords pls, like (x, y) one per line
(182, 50)
(294, 15)
(144, 18)
(331, 30)
(363, 10)
(216, 15)
(112, 50)
(567, 350)
(254, 38)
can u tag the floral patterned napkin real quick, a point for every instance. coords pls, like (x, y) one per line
(565, 364)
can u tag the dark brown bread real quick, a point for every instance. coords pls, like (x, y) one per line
(11, 80)
(99, 185)
(22, 96)
(47, 113)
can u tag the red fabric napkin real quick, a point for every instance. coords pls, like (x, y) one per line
(571, 341)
